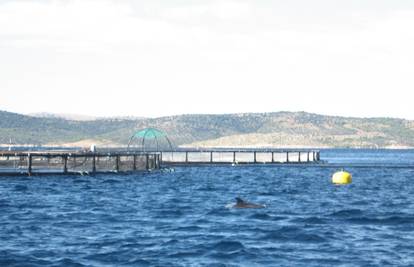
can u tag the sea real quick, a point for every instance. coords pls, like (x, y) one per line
(183, 216)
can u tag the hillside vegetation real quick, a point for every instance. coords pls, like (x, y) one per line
(279, 129)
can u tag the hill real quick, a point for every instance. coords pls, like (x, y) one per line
(279, 129)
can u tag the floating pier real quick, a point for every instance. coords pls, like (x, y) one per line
(239, 156)
(76, 162)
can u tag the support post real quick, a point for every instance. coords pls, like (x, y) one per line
(299, 160)
(211, 157)
(93, 164)
(29, 164)
(146, 162)
(287, 156)
(117, 163)
(135, 162)
(254, 154)
(65, 164)
(273, 157)
(307, 156)
(186, 157)
(234, 156)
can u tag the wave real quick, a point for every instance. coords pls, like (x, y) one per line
(111, 181)
(266, 217)
(389, 220)
(67, 262)
(310, 220)
(190, 228)
(261, 216)
(294, 234)
(358, 216)
(4, 203)
(347, 213)
(228, 246)
(179, 219)
(8, 258)
(20, 188)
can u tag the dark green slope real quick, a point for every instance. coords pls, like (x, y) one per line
(30, 130)
(318, 130)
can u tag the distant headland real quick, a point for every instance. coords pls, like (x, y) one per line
(275, 130)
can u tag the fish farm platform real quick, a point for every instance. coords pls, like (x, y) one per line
(75, 162)
(120, 160)
(239, 156)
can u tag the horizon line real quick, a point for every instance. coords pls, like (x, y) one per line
(87, 117)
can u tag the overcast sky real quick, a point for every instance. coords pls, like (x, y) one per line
(164, 57)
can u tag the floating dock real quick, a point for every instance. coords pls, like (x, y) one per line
(123, 161)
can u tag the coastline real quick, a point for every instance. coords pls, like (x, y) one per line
(108, 144)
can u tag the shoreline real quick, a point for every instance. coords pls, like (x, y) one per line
(85, 145)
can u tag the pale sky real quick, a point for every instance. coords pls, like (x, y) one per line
(164, 57)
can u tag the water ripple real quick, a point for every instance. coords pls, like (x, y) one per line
(180, 218)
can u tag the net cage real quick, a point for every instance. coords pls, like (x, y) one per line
(62, 163)
(150, 139)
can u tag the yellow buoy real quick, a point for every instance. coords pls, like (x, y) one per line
(342, 177)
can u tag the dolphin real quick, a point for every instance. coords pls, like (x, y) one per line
(241, 204)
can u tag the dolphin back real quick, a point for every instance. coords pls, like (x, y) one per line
(240, 203)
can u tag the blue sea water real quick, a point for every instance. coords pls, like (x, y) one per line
(180, 218)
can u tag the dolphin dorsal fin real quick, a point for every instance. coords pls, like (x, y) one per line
(239, 200)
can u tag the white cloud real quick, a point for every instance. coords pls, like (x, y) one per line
(156, 58)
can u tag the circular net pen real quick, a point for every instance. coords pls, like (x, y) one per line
(150, 140)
